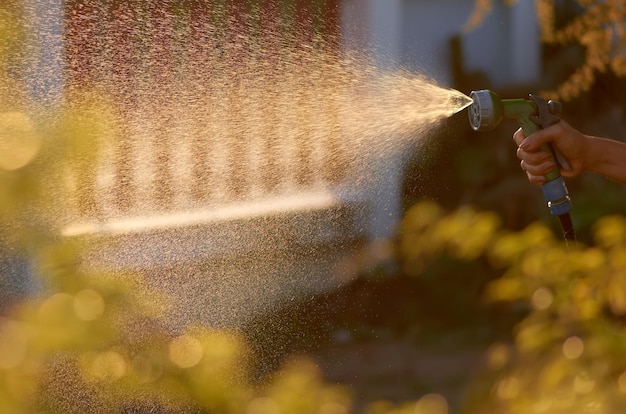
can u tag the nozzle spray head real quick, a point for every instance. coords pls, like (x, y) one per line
(486, 111)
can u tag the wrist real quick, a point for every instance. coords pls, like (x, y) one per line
(605, 157)
(591, 153)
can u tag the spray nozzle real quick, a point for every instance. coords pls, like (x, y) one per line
(486, 112)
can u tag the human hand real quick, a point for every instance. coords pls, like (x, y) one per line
(536, 163)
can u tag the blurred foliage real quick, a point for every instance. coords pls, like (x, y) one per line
(79, 341)
(598, 27)
(567, 353)
(85, 342)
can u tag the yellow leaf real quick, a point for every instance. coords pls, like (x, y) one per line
(506, 289)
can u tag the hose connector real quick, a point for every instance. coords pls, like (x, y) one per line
(557, 196)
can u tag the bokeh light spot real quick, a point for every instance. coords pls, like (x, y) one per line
(621, 382)
(498, 356)
(147, 370)
(583, 383)
(542, 299)
(573, 347)
(13, 344)
(432, 404)
(186, 351)
(108, 365)
(88, 305)
(56, 308)
(19, 142)
(263, 405)
(333, 408)
(508, 388)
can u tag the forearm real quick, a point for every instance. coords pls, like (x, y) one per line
(606, 157)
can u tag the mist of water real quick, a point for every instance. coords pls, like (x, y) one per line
(225, 114)
(221, 104)
(223, 138)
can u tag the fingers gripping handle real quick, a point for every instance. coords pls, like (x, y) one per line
(554, 189)
(548, 114)
(560, 160)
(529, 127)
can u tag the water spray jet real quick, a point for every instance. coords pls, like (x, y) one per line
(488, 110)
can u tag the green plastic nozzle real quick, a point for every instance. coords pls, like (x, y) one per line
(488, 110)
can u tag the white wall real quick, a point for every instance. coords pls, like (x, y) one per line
(376, 26)
(525, 43)
(45, 47)
(505, 46)
(416, 34)
(427, 27)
